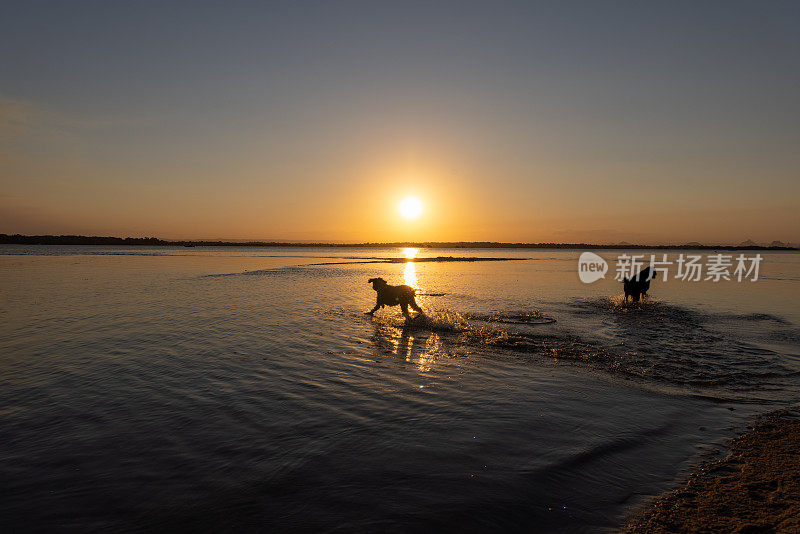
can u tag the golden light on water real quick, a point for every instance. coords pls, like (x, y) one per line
(411, 253)
(410, 271)
(410, 274)
(410, 207)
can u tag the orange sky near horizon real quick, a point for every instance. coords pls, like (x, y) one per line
(361, 205)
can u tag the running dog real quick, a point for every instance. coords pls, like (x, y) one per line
(394, 295)
(636, 287)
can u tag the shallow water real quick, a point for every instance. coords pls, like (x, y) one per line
(243, 388)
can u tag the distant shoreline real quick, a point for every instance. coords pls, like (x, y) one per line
(18, 239)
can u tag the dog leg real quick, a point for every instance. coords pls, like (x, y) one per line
(373, 310)
(415, 306)
(404, 307)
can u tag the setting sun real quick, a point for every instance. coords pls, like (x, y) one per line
(410, 207)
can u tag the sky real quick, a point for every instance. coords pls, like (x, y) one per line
(602, 121)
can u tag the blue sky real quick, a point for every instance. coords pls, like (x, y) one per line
(556, 121)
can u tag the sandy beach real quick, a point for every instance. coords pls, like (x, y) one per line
(755, 488)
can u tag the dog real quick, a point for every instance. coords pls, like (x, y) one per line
(636, 287)
(394, 295)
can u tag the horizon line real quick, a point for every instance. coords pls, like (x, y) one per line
(71, 239)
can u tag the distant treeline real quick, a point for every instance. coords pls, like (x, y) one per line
(18, 239)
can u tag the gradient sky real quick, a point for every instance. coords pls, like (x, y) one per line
(554, 121)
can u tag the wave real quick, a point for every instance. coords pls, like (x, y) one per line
(529, 317)
(293, 270)
(424, 259)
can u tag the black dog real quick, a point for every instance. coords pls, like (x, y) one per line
(636, 287)
(394, 295)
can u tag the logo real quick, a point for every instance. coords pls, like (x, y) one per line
(688, 267)
(591, 267)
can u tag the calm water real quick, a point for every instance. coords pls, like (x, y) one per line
(243, 389)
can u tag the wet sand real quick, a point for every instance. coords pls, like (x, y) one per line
(756, 488)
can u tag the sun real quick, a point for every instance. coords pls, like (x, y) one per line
(410, 207)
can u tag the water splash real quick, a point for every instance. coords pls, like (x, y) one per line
(649, 341)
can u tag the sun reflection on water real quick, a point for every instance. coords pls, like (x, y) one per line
(412, 342)
(411, 253)
(410, 271)
(410, 274)
(417, 347)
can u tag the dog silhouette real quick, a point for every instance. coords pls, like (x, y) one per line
(636, 286)
(394, 295)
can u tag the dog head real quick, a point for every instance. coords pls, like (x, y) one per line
(646, 274)
(649, 273)
(377, 283)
